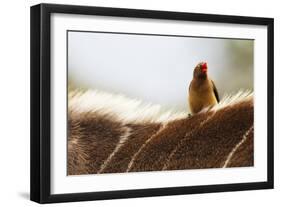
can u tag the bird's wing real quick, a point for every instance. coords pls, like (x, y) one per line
(215, 91)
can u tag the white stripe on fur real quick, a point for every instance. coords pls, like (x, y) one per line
(143, 146)
(166, 165)
(122, 140)
(244, 138)
(128, 110)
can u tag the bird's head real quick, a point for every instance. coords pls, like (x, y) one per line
(200, 71)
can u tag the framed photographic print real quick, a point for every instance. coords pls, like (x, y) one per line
(132, 103)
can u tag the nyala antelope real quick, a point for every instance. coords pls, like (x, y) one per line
(113, 134)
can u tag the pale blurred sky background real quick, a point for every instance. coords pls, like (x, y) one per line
(156, 69)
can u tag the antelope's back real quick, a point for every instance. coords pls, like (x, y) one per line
(99, 141)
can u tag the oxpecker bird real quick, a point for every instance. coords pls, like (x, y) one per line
(202, 90)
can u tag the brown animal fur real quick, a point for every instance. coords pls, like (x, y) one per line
(204, 140)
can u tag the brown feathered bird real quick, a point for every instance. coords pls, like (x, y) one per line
(202, 90)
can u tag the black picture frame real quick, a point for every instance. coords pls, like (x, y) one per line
(41, 99)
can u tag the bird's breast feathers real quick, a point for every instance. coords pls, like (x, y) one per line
(201, 96)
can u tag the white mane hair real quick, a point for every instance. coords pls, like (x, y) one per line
(232, 99)
(128, 110)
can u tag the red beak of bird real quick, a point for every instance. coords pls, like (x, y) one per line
(204, 67)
